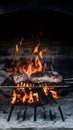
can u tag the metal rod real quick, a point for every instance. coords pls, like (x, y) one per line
(61, 113)
(6, 81)
(50, 114)
(24, 114)
(35, 110)
(11, 86)
(68, 79)
(69, 82)
(44, 113)
(10, 113)
(60, 110)
(18, 115)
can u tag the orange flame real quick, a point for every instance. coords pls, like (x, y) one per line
(21, 41)
(53, 92)
(20, 95)
(33, 97)
(13, 97)
(31, 66)
(38, 64)
(41, 53)
(17, 48)
(28, 66)
(36, 48)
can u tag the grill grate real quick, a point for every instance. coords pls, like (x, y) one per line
(8, 82)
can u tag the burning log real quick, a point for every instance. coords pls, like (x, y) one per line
(10, 113)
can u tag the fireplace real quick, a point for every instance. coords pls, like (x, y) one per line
(36, 81)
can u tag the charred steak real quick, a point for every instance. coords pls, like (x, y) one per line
(50, 76)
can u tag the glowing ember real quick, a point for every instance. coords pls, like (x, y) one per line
(20, 95)
(53, 92)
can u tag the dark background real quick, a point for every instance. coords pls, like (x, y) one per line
(24, 18)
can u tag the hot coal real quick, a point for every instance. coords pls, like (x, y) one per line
(61, 88)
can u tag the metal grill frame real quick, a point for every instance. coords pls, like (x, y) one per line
(9, 83)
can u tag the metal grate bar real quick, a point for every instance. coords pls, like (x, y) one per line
(9, 83)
